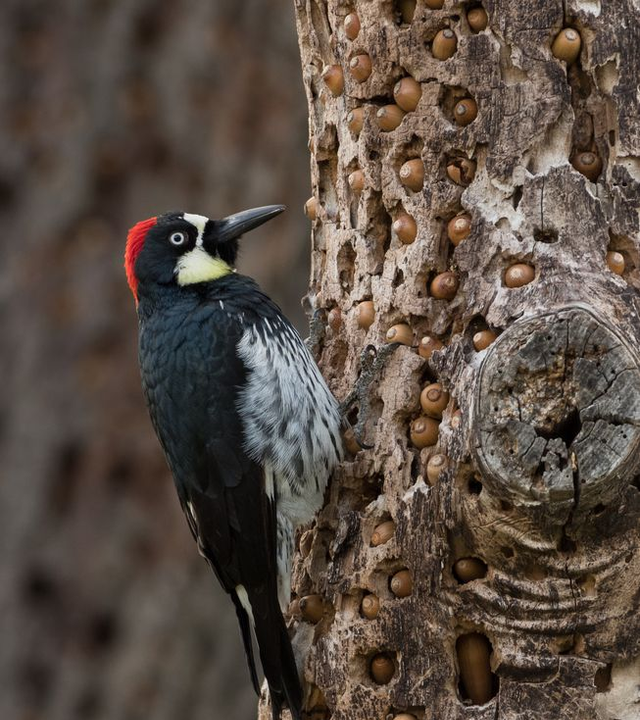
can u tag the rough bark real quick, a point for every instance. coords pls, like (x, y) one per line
(540, 433)
(111, 112)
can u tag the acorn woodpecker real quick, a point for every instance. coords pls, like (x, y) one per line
(249, 428)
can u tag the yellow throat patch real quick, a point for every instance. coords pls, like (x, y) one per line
(198, 266)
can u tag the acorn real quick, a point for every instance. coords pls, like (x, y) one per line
(482, 339)
(444, 44)
(352, 26)
(400, 333)
(435, 466)
(407, 93)
(401, 584)
(360, 67)
(316, 702)
(334, 79)
(424, 432)
(355, 120)
(462, 171)
(567, 45)
(404, 226)
(477, 19)
(473, 652)
(350, 442)
(365, 314)
(334, 319)
(294, 608)
(382, 668)
(615, 261)
(444, 286)
(407, 10)
(458, 228)
(405, 716)
(465, 111)
(389, 117)
(434, 400)
(356, 181)
(518, 275)
(469, 568)
(311, 208)
(456, 419)
(589, 164)
(370, 606)
(434, 4)
(412, 174)
(312, 608)
(428, 345)
(383, 533)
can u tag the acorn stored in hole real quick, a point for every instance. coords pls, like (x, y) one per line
(334, 319)
(352, 26)
(350, 442)
(356, 181)
(465, 111)
(407, 10)
(428, 345)
(370, 606)
(444, 44)
(482, 339)
(312, 608)
(615, 261)
(382, 668)
(435, 466)
(462, 171)
(469, 568)
(444, 286)
(365, 314)
(456, 419)
(412, 174)
(405, 716)
(518, 275)
(405, 228)
(477, 19)
(334, 79)
(567, 45)
(311, 208)
(473, 650)
(434, 400)
(434, 4)
(400, 333)
(401, 584)
(360, 67)
(306, 542)
(389, 117)
(424, 432)
(407, 93)
(355, 120)
(589, 164)
(458, 228)
(383, 533)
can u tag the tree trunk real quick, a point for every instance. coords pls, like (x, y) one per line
(506, 570)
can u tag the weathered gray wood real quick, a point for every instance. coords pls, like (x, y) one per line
(559, 602)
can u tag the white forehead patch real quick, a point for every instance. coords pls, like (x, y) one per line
(198, 221)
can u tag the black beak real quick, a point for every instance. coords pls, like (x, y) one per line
(233, 226)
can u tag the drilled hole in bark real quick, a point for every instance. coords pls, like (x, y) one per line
(474, 486)
(346, 263)
(403, 11)
(602, 678)
(567, 429)
(567, 545)
(507, 551)
(398, 278)
(476, 683)
(450, 96)
(545, 235)
(102, 631)
(39, 587)
(587, 585)
(516, 197)
(635, 483)
(505, 506)
(599, 509)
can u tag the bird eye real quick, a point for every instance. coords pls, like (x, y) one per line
(178, 238)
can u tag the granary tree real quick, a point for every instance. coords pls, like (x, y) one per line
(475, 173)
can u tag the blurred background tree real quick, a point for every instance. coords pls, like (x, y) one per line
(111, 112)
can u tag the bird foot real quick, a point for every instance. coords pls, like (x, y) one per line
(372, 361)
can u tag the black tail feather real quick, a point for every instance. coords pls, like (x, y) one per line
(245, 629)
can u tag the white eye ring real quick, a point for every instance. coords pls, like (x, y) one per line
(178, 238)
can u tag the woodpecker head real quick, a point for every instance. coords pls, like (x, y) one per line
(182, 249)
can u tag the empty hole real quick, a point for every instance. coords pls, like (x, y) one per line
(567, 545)
(507, 551)
(505, 506)
(516, 197)
(602, 679)
(546, 235)
(598, 509)
(474, 486)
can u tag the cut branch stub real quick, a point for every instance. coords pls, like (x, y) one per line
(557, 414)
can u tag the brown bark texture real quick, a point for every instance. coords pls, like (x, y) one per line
(481, 561)
(111, 112)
